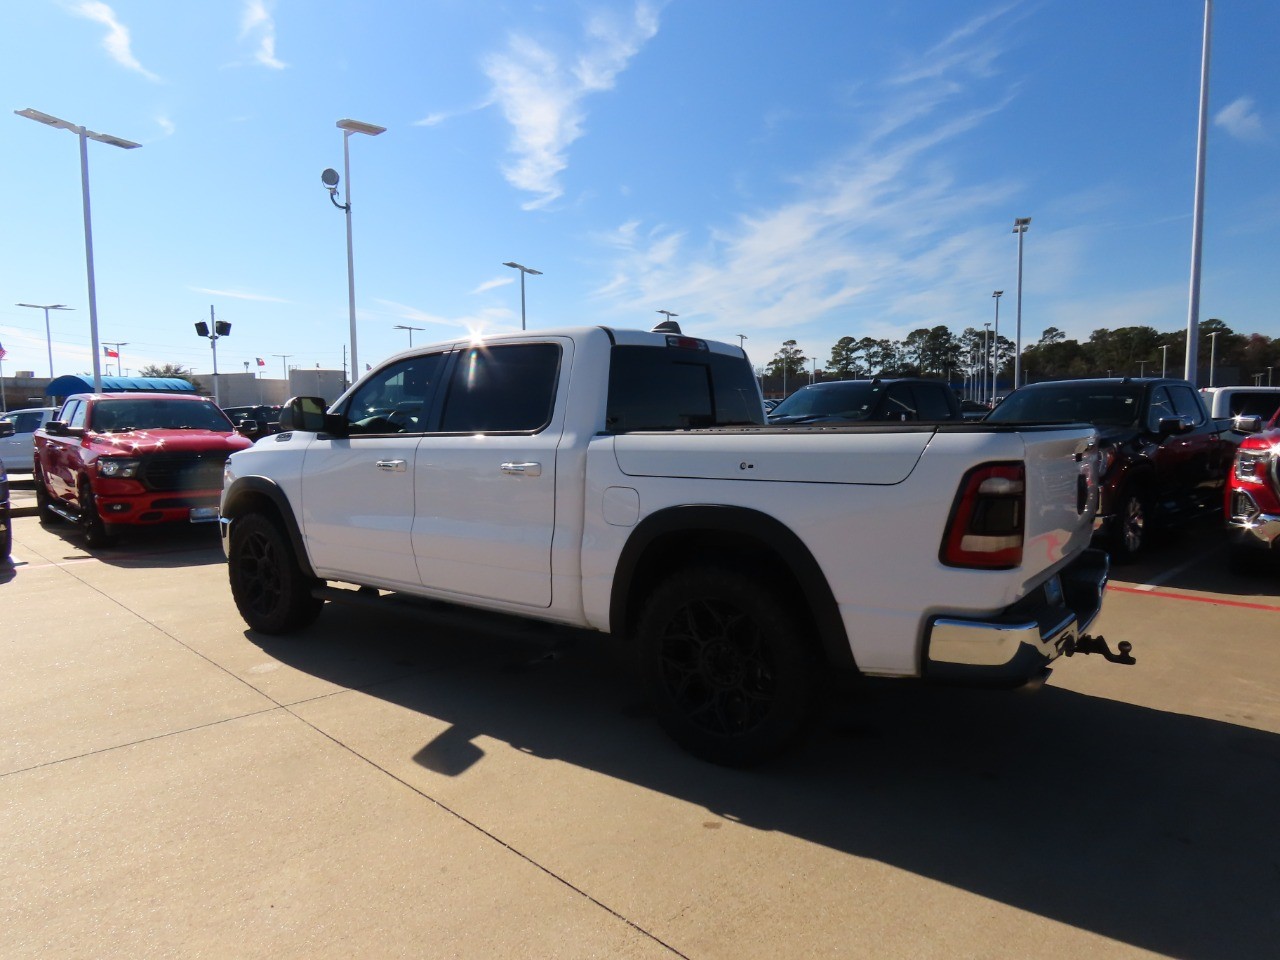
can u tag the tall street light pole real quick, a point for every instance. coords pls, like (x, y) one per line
(284, 372)
(1020, 226)
(48, 337)
(85, 136)
(668, 314)
(402, 326)
(1197, 216)
(330, 179)
(995, 346)
(986, 329)
(523, 270)
(1213, 353)
(1164, 360)
(115, 355)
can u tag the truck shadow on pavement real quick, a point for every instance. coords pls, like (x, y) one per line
(1150, 828)
(149, 547)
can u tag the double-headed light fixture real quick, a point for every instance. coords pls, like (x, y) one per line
(84, 135)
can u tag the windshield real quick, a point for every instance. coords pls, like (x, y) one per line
(117, 416)
(1101, 404)
(849, 400)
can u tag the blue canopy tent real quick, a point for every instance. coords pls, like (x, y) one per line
(66, 386)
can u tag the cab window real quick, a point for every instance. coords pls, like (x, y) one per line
(507, 388)
(395, 399)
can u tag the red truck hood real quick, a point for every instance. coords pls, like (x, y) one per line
(143, 442)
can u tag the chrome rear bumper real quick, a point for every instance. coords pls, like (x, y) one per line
(1016, 645)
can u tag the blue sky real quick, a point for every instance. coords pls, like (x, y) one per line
(802, 170)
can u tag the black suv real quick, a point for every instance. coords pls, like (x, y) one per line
(869, 401)
(255, 421)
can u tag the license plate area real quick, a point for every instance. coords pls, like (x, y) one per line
(203, 514)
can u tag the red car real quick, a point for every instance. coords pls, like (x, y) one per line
(113, 460)
(1253, 490)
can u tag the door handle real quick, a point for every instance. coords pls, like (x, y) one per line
(391, 466)
(522, 469)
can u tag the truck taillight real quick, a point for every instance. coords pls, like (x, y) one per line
(985, 529)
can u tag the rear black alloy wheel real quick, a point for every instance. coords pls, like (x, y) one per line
(728, 671)
(45, 515)
(271, 592)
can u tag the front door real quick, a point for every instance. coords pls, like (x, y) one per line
(358, 490)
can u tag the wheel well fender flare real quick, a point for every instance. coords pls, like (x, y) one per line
(682, 530)
(249, 493)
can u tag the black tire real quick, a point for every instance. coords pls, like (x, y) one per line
(97, 534)
(6, 541)
(1131, 528)
(271, 592)
(727, 666)
(45, 515)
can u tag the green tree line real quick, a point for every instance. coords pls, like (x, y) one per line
(1124, 351)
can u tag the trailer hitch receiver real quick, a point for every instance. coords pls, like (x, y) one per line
(1085, 644)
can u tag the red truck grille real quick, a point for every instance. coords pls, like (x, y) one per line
(184, 471)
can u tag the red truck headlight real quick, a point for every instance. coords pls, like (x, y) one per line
(118, 468)
(1252, 465)
(986, 525)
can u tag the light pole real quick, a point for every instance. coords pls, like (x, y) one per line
(986, 329)
(283, 359)
(1269, 376)
(1213, 353)
(1142, 368)
(220, 329)
(1197, 215)
(114, 354)
(330, 179)
(1164, 360)
(402, 326)
(995, 346)
(1020, 226)
(523, 270)
(48, 337)
(742, 339)
(85, 135)
(673, 327)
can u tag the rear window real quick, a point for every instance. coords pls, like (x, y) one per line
(677, 388)
(1100, 404)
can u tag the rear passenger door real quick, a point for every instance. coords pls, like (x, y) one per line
(485, 478)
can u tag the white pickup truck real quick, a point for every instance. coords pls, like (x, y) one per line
(626, 482)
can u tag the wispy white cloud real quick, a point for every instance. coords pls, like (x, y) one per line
(493, 284)
(117, 42)
(542, 95)
(258, 24)
(859, 234)
(1241, 120)
(481, 321)
(166, 125)
(239, 295)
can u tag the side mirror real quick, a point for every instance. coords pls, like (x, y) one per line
(56, 428)
(308, 415)
(1172, 426)
(7, 428)
(1243, 424)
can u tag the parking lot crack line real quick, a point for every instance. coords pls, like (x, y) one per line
(498, 840)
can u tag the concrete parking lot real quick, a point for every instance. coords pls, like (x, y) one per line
(424, 782)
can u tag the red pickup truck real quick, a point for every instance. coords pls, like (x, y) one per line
(113, 460)
(1253, 492)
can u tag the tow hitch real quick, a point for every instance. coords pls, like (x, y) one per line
(1087, 644)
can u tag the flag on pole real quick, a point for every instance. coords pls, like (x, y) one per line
(2, 352)
(261, 362)
(111, 353)
(367, 367)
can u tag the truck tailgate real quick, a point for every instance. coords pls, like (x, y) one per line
(1062, 492)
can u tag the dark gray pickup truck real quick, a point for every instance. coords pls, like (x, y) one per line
(1164, 459)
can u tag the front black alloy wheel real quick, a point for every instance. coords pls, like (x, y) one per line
(1131, 527)
(270, 589)
(728, 670)
(96, 532)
